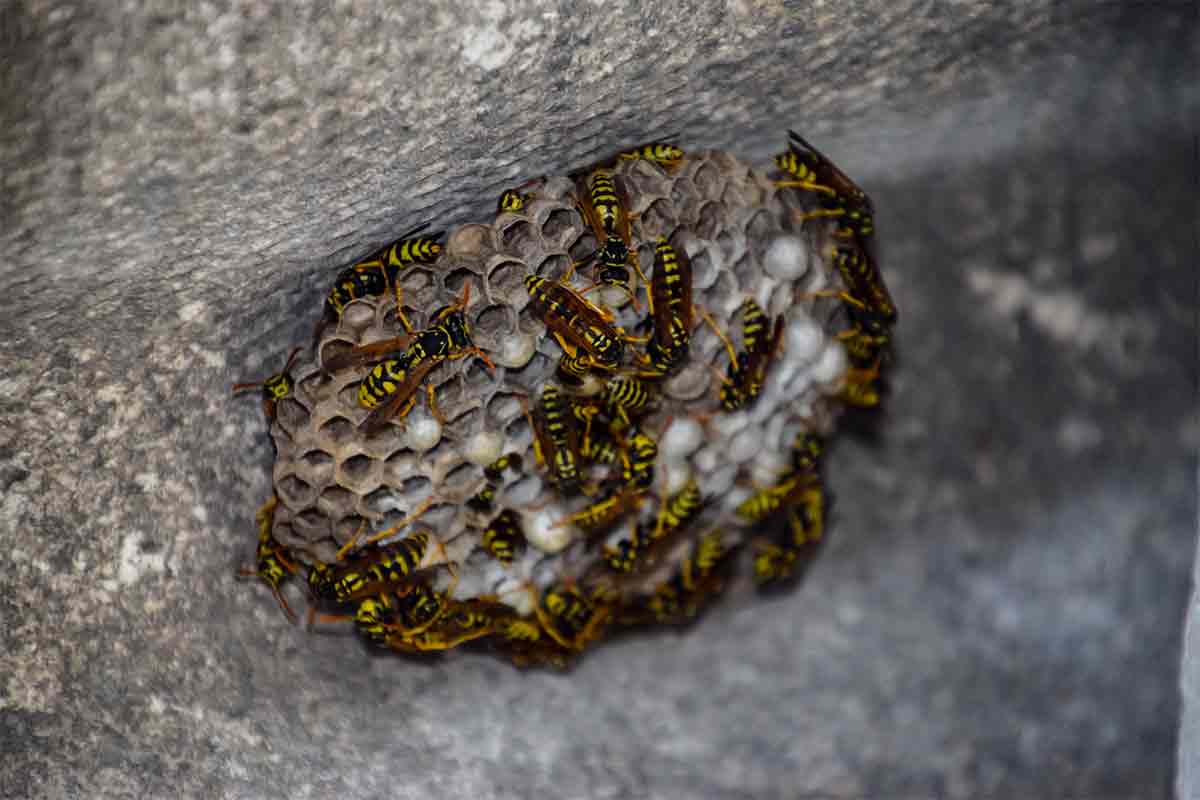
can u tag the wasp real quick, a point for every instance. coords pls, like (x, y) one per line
(670, 308)
(604, 210)
(679, 510)
(493, 474)
(274, 388)
(637, 462)
(660, 152)
(570, 618)
(874, 310)
(573, 365)
(273, 567)
(809, 168)
(388, 564)
(379, 617)
(577, 321)
(596, 445)
(460, 622)
(747, 370)
(555, 444)
(613, 504)
(515, 199)
(512, 201)
(802, 496)
(861, 388)
(679, 597)
(766, 502)
(807, 452)
(806, 523)
(376, 275)
(624, 557)
(599, 450)
(625, 396)
(503, 538)
(369, 569)
(525, 645)
(389, 390)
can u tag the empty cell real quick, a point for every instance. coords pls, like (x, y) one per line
(559, 223)
(338, 430)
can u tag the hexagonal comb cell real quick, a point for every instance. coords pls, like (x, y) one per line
(638, 438)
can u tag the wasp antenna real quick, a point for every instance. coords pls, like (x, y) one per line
(349, 545)
(724, 339)
(415, 231)
(421, 508)
(283, 603)
(238, 388)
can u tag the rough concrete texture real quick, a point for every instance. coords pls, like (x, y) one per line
(999, 610)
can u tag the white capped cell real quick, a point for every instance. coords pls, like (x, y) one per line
(543, 531)
(682, 438)
(803, 340)
(832, 363)
(423, 430)
(484, 447)
(515, 350)
(786, 258)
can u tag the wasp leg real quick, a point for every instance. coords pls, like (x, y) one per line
(407, 520)
(812, 187)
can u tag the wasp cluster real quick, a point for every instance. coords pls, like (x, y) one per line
(578, 416)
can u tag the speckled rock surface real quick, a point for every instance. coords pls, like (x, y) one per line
(999, 609)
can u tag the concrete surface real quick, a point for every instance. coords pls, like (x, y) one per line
(1000, 611)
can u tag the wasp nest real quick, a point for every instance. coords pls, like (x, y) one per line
(432, 472)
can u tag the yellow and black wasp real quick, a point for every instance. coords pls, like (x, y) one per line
(808, 450)
(599, 448)
(274, 388)
(369, 571)
(514, 200)
(671, 310)
(861, 388)
(808, 168)
(273, 566)
(503, 538)
(679, 510)
(680, 597)
(570, 618)
(637, 461)
(383, 617)
(573, 365)
(747, 370)
(379, 273)
(616, 500)
(493, 474)
(625, 397)
(660, 152)
(805, 506)
(605, 211)
(839, 196)
(389, 390)
(596, 445)
(765, 502)
(578, 322)
(511, 200)
(457, 623)
(874, 311)
(625, 556)
(522, 640)
(555, 443)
